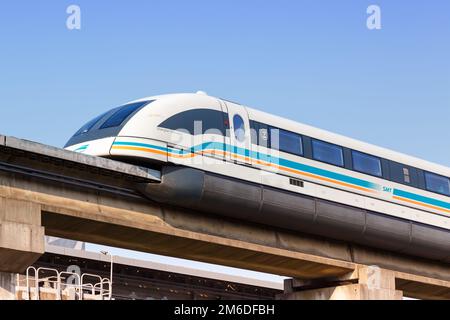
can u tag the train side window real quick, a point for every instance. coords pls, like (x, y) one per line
(239, 128)
(286, 141)
(201, 120)
(327, 152)
(437, 183)
(118, 117)
(260, 134)
(403, 174)
(366, 163)
(406, 175)
(254, 130)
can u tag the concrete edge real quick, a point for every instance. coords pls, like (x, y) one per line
(98, 162)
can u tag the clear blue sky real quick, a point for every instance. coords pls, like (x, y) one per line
(311, 61)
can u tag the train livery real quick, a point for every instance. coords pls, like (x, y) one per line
(223, 158)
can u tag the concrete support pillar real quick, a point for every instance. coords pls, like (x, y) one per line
(7, 286)
(365, 283)
(22, 238)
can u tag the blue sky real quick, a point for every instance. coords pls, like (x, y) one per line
(312, 61)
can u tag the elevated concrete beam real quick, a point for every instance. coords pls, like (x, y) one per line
(420, 287)
(21, 234)
(74, 214)
(30, 147)
(137, 224)
(194, 246)
(411, 285)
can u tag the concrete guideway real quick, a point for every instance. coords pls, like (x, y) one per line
(60, 155)
(32, 205)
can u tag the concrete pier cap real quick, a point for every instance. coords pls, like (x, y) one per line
(364, 283)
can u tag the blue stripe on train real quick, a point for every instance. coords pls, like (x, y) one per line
(292, 165)
(417, 197)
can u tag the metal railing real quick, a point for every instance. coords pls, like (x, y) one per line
(102, 289)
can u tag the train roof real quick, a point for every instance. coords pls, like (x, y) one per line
(349, 142)
(325, 135)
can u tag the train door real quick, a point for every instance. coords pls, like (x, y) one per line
(238, 140)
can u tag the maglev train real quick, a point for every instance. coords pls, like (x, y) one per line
(223, 158)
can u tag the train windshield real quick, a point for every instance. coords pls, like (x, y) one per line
(119, 116)
(116, 117)
(107, 124)
(88, 126)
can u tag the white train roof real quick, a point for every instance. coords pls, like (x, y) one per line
(347, 142)
(324, 135)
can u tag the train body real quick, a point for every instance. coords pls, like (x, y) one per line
(223, 158)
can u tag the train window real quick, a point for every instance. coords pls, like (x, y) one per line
(122, 113)
(254, 131)
(239, 128)
(88, 126)
(327, 152)
(436, 183)
(260, 134)
(403, 174)
(286, 141)
(197, 121)
(366, 163)
(406, 175)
